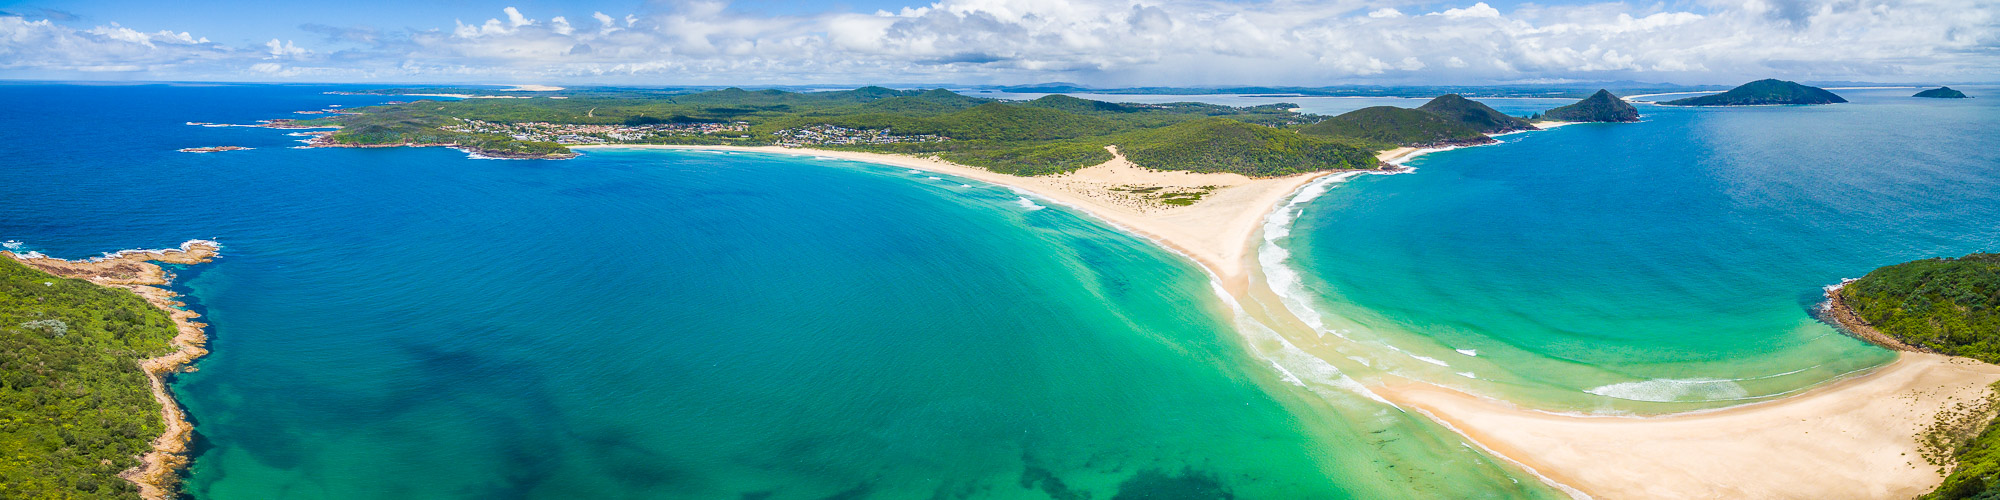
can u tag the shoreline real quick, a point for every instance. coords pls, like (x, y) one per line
(1216, 232)
(1865, 446)
(1851, 322)
(136, 271)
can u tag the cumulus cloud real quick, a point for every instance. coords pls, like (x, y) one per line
(1111, 42)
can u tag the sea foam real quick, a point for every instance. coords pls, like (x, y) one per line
(1667, 390)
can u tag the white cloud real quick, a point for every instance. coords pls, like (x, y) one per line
(1302, 42)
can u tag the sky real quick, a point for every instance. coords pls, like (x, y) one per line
(1107, 43)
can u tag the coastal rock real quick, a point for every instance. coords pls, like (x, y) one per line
(1942, 93)
(1599, 107)
(1761, 93)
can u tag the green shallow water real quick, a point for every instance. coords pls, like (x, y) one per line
(417, 324)
(1659, 266)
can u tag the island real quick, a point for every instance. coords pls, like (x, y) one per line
(1942, 93)
(86, 347)
(1599, 107)
(1765, 92)
(212, 149)
(1948, 306)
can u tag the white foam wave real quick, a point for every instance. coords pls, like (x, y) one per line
(1028, 204)
(1282, 278)
(12, 244)
(1431, 360)
(935, 178)
(1468, 375)
(1667, 390)
(1289, 359)
(1468, 352)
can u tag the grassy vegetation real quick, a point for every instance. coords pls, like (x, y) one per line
(1052, 134)
(74, 407)
(1224, 145)
(1947, 305)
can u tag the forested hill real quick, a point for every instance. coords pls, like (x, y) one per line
(1763, 92)
(1051, 134)
(1946, 305)
(1599, 107)
(75, 409)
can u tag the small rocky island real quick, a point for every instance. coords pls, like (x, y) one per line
(1599, 107)
(1942, 93)
(1763, 93)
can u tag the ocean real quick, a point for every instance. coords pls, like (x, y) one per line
(415, 323)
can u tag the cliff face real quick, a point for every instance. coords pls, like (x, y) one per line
(1473, 114)
(1942, 93)
(1763, 92)
(1599, 107)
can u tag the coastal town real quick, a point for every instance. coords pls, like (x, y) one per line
(826, 135)
(571, 133)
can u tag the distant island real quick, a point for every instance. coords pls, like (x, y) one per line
(1942, 93)
(1950, 306)
(1473, 114)
(1763, 93)
(1599, 107)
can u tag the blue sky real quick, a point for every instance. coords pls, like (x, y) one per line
(1103, 42)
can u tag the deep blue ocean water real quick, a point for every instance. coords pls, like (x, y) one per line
(412, 323)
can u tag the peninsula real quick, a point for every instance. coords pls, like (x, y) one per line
(1763, 93)
(100, 328)
(1942, 93)
(1948, 306)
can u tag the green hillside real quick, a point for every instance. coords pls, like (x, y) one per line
(1599, 107)
(75, 410)
(1224, 145)
(1398, 126)
(1475, 115)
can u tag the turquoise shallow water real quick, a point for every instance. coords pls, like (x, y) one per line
(1670, 264)
(416, 324)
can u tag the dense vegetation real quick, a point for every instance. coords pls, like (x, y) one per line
(1051, 134)
(1398, 126)
(1761, 92)
(1475, 115)
(1942, 93)
(1223, 145)
(74, 407)
(1599, 107)
(1946, 305)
